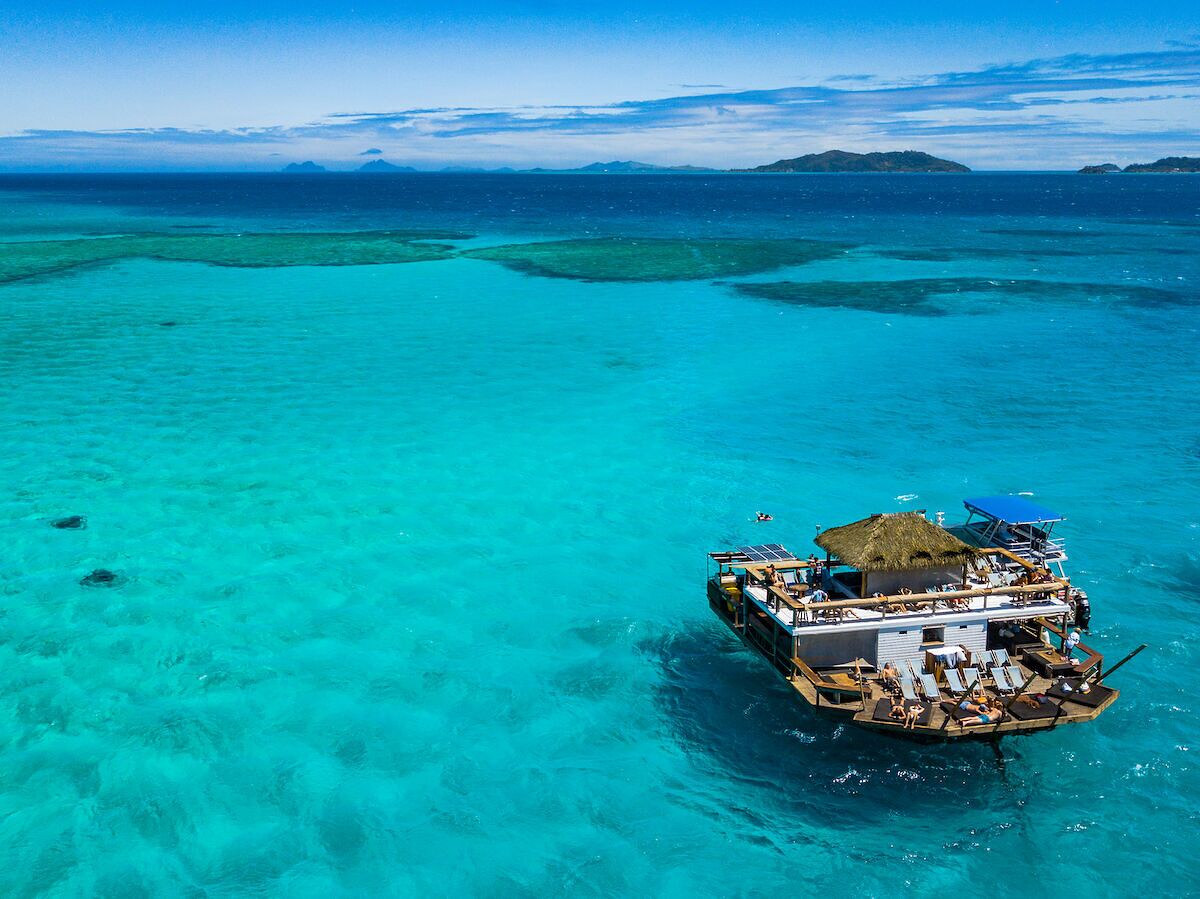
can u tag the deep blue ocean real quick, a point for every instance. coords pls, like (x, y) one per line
(406, 484)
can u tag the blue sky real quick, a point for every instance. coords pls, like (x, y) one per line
(221, 85)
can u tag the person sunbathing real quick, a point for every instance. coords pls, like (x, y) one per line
(984, 714)
(914, 715)
(897, 710)
(890, 677)
(972, 701)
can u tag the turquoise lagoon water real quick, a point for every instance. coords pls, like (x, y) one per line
(411, 556)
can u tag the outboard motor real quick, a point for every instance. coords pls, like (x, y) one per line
(1082, 608)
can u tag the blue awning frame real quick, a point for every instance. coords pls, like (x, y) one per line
(1012, 510)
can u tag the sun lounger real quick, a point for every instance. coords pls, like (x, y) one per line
(971, 676)
(954, 679)
(1000, 678)
(883, 709)
(916, 668)
(1015, 675)
(929, 687)
(907, 688)
(1001, 657)
(983, 659)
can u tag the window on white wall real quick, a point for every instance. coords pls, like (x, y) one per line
(933, 635)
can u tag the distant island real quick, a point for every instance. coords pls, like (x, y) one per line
(1166, 165)
(843, 161)
(475, 170)
(628, 167)
(304, 167)
(829, 161)
(382, 165)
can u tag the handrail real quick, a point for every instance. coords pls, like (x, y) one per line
(790, 601)
(1094, 658)
(1053, 586)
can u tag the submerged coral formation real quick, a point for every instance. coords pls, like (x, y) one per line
(656, 259)
(25, 259)
(941, 296)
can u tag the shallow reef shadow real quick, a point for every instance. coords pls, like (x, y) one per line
(647, 259)
(728, 708)
(946, 296)
(27, 259)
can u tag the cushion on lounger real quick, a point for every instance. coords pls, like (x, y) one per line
(1096, 695)
(1023, 712)
(952, 709)
(885, 705)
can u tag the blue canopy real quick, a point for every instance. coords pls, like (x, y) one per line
(1011, 510)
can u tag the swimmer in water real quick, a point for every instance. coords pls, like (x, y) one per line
(763, 516)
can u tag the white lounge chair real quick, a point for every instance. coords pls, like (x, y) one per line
(984, 659)
(907, 688)
(1000, 678)
(1016, 676)
(971, 676)
(1001, 657)
(916, 668)
(954, 679)
(929, 687)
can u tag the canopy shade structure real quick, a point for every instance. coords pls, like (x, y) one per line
(1011, 510)
(898, 542)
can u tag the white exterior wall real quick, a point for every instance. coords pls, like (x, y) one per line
(899, 644)
(902, 642)
(970, 635)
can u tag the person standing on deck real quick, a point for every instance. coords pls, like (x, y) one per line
(1068, 647)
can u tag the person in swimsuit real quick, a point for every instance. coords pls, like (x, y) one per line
(763, 516)
(984, 714)
(914, 714)
(890, 677)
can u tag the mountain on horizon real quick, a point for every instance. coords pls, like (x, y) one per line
(844, 161)
(1167, 164)
(382, 165)
(306, 168)
(619, 167)
(472, 169)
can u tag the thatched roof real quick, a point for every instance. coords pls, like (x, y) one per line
(898, 542)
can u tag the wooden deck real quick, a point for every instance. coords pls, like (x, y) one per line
(838, 693)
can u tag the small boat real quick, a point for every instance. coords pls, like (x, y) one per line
(925, 631)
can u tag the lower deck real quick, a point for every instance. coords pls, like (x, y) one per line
(856, 692)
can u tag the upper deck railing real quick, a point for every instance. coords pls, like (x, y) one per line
(947, 601)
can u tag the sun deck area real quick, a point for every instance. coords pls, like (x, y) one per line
(813, 595)
(905, 628)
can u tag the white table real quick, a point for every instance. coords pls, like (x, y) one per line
(948, 656)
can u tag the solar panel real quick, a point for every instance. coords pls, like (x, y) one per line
(769, 552)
